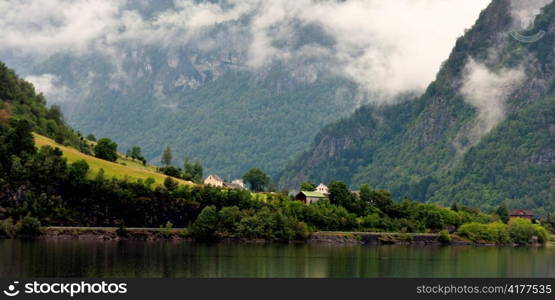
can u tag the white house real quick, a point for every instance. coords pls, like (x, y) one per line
(214, 180)
(322, 188)
(239, 182)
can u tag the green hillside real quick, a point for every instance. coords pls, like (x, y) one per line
(122, 169)
(229, 118)
(424, 148)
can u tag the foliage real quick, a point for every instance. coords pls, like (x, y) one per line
(206, 224)
(256, 179)
(521, 231)
(7, 228)
(91, 137)
(136, 153)
(423, 147)
(78, 171)
(132, 171)
(193, 172)
(307, 186)
(444, 237)
(503, 213)
(28, 227)
(41, 183)
(106, 149)
(167, 156)
(19, 101)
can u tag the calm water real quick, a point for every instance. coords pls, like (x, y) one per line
(172, 259)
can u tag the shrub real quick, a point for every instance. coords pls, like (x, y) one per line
(521, 231)
(272, 225)
(7, 228)
(206, 224)
(372, 221)
(477, 232)
(518, 231)
(444, 237)
(229, 218)
(28, 226)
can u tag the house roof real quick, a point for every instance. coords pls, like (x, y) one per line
(313, 194)
(520, 212)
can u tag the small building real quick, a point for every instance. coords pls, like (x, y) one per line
(239, 182)
(322, 188)
(521, 213)
(310, 197)
(214, 180)
(234, 185)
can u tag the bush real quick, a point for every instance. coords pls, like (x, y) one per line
(206, 224)
(229, 218)
(494, 232)
(272, 225)
(372, 221)
(28, 226)
(518, 231)
(7, 228)
(521, 231)
(444, 237)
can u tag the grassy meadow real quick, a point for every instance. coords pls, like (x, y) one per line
(123, 168)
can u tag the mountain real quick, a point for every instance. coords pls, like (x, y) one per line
(483, 132)
(202, 100)
(234, 84)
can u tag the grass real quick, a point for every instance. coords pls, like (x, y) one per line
(133, 170)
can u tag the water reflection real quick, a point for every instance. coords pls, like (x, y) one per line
(172, 259)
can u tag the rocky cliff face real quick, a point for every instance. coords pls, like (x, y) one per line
(482, 125)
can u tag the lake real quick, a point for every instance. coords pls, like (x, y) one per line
(73, 258)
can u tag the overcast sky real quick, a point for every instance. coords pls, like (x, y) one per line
(385, 46)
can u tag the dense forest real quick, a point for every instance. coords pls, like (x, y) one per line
(427, 148)
(207, 105)
(38, 187)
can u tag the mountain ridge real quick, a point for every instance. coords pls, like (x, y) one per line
(437, 131)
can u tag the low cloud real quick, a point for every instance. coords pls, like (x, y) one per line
(50, 86)
(524, 12)
(387, 47)
(488, 91)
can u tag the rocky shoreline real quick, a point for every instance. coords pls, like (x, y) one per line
(317, 238)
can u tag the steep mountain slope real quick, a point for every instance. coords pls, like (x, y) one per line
(202, 100)
(18, 101)
(235, 84)
(482, 133)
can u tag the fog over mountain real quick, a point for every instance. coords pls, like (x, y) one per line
(481, 134)
(217, 79)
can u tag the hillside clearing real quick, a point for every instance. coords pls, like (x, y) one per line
(132, 171)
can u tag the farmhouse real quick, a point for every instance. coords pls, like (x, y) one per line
(521, 213)
(214, 180)
(310, 197)
(322, 188)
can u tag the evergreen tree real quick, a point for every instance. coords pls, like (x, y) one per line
(167, 156)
